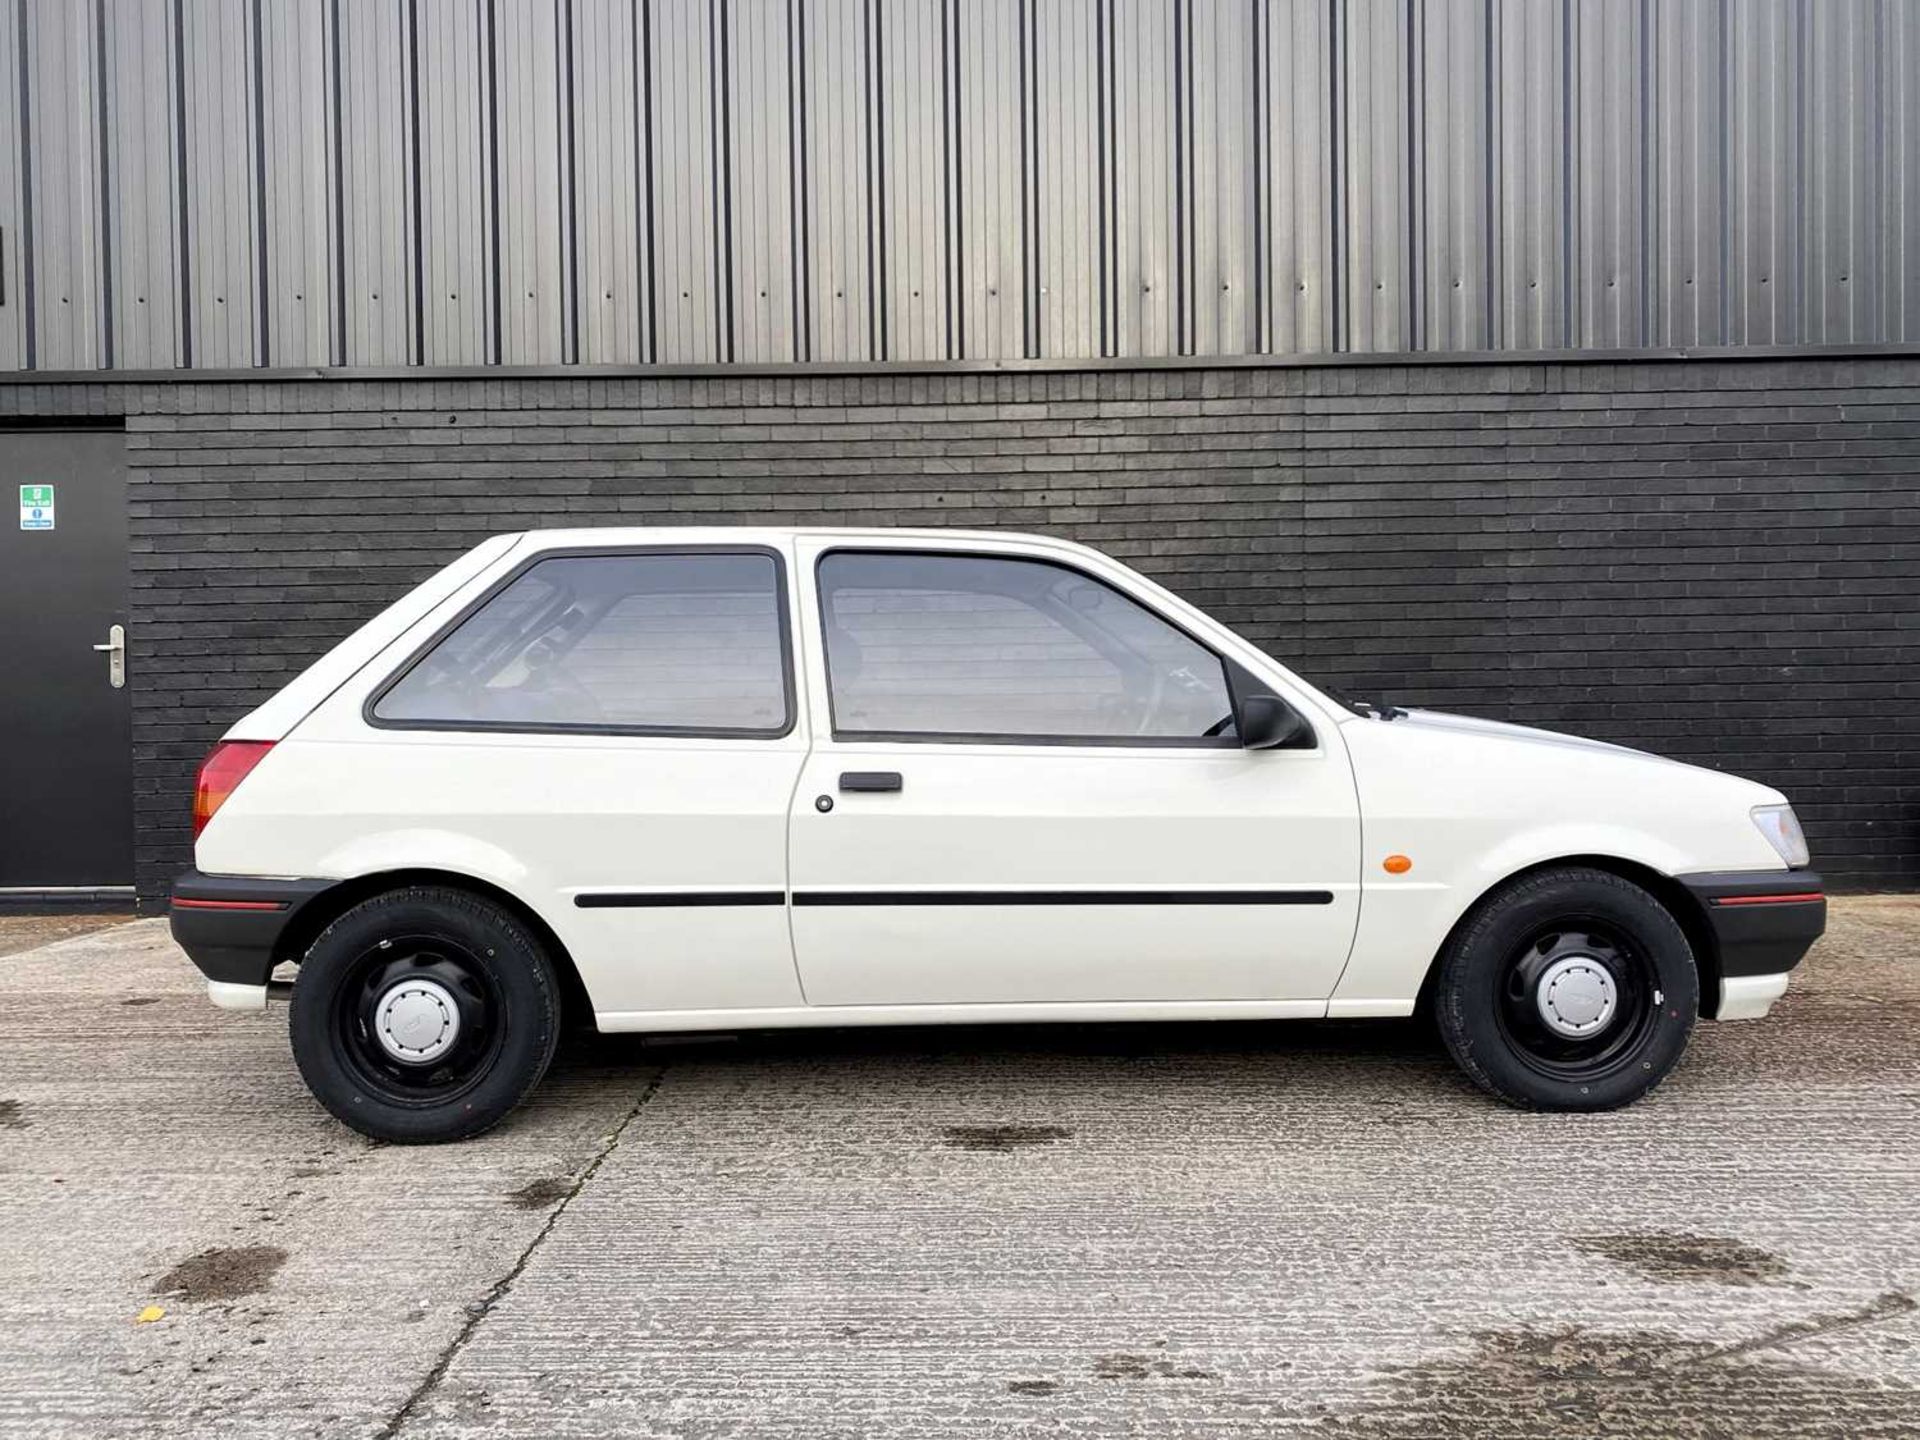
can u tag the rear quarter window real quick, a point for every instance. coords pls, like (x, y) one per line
(647, 642)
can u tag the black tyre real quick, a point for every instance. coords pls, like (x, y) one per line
(1568, 989)
(423, 1015)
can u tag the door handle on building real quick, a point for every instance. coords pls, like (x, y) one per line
(116, 648)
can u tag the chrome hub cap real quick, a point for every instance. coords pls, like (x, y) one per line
(1576, 996)
(416, 1021)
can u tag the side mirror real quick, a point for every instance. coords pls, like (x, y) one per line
(1264, 720)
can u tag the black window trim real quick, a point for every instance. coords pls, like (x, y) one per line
(959, 737)
(789, 690)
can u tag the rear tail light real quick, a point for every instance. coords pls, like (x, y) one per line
(226, 765)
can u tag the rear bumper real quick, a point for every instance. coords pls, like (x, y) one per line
(1764, 922)
(230, 926)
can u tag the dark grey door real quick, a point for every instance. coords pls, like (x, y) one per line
(66, 743)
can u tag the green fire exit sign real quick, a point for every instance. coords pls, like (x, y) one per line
(36, 507)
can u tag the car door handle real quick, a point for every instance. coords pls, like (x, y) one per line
(870, 780)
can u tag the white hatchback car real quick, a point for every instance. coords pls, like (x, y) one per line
(735, 779)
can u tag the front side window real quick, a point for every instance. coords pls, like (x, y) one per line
(680, 642)
(968, 646)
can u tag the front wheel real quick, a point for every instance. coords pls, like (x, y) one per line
(1568, 989)
(424, 1014)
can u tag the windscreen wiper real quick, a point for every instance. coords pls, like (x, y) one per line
(1379, 709)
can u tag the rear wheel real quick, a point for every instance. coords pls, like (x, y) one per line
(1568, 989)
(424, 1014)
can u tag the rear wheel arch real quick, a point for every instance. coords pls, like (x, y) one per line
(330, 904)
(1678, 901)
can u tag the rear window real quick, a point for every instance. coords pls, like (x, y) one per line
(671, 643)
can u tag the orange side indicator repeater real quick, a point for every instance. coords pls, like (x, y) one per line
(1396, 864)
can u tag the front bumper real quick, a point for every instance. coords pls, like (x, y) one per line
(1763, 922)
(231, 927)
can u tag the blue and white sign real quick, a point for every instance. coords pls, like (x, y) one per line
(36, 507)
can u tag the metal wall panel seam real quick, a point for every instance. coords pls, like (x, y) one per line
(798, 198)
(1189, 196)
(1806, 254)
(1256, 12)
(1337, 174)
(490, 99)
(1029, 179)
(1415, 45)
(947, 140)
(722, 71)
(101, 160)
(1569, 149)
(1105, 142)
(334, 46)
(1492, 202)
(1875, 234)
(644, 139)
(1182, 171)
(28, 298)
(418, 328)
(567, 64)
(1649, 125)
(1727, 173)
(263, 297)
(872, 42)
(956, 226)
(185, 298)
(874, 307)
(1902, 223)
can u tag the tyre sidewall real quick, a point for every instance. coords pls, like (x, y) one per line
(514, 965)
(1475, 968)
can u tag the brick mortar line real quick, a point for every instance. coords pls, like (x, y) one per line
(504, 1285)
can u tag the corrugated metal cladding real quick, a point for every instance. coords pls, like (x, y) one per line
(230, 183)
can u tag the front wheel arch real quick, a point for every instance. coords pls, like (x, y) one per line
(330, 904)
(1675, 897)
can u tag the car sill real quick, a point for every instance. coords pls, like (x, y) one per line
(1015, 1013)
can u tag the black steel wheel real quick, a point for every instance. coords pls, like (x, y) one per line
(1570, 989)
(424, 1014)
(417, 1019)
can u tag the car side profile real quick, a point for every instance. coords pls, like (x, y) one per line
(750, 778)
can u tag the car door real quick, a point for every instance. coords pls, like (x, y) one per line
(1020, 792)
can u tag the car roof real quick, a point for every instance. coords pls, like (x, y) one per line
(763, 534)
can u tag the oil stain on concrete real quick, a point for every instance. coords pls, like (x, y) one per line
(1684, 1259)
(1125, 1365)
(222, 1274)
(1033, 1387)
(539, 1194)
(1002, 1138)
(12, 1116)
(1579, 1384)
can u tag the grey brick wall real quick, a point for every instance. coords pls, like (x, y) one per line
(1719, 561)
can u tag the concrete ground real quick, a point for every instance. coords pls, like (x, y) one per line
(21, 931)
(1309, 1230)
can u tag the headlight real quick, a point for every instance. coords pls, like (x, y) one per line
(1782, 829)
